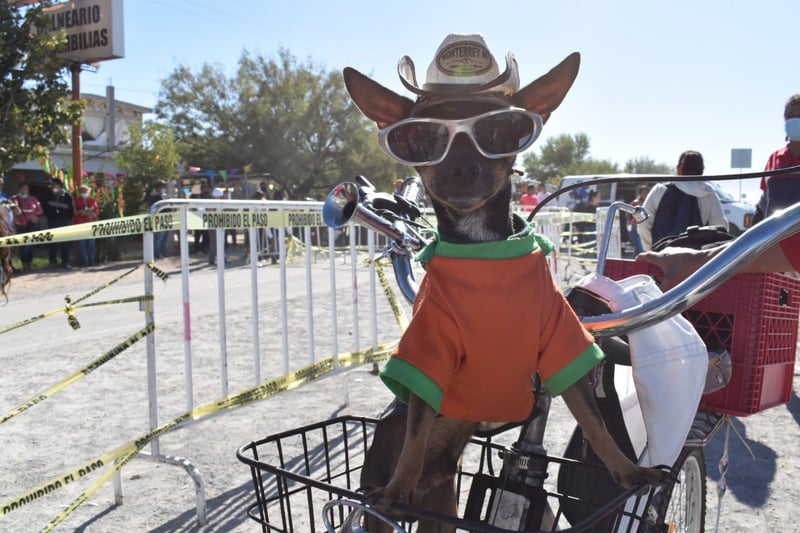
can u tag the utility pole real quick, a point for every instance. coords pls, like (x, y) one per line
(77, 160)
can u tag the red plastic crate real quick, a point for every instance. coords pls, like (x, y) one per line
(755, 318)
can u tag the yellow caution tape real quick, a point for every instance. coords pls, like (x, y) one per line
(104, 286)
(70, 304)
(115, 227)
(397, 309)
(85, 371)
(244, 219)
(160, 274)
(127, 451)
(70, 308)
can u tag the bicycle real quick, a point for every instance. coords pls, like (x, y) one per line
(307, 478)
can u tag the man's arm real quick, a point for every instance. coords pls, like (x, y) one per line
(680, 263)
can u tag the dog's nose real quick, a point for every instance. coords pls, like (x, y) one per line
(464, 160)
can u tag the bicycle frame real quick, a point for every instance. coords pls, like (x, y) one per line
(519, 463)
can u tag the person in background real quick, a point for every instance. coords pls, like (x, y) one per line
(264, 245)
(236, 192)
(5, 202)
(541, 193)
(26, 220)
(528, 200)
(216, 194)
(86, 210)
(59, 208)
(201, 235)
(158, 193)
(587, 230)
(785, 156)
(673, 207)
(633, 234)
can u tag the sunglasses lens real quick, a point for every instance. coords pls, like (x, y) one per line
(505, 133)
(418, 142)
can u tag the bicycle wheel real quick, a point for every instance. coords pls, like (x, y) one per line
(682, 507)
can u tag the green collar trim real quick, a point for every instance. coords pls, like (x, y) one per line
(521, 243)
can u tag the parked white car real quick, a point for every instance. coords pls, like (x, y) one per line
(739, 214)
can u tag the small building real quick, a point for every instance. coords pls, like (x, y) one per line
(105, 126)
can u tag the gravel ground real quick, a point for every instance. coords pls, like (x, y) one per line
(109, 407)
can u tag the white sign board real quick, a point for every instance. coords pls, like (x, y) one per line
(741, 157)
(93, 28)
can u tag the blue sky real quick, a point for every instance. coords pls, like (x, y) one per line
(657, 78)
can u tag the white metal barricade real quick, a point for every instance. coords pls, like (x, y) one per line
(285, 228)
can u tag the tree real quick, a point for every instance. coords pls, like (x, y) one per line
(646, 165)
(148, 156)
(564, 155)
(291, 120)
(35, 108)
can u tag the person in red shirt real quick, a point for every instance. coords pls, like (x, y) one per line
(786, 156)
(529, 199)
(86, 210)
(26, 220)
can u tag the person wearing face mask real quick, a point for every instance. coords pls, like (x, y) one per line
(59, 209)
(778, 191)
(86, 210)
(26, 220)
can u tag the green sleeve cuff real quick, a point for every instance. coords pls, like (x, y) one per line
(575, 370)
(401, 377)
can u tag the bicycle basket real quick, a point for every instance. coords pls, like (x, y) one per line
(296, 473)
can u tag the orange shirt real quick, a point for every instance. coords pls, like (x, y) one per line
(486, 318)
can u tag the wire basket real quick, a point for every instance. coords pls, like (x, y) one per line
(307, 480)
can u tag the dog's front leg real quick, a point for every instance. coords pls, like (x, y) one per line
(580, 401)
(409, 465)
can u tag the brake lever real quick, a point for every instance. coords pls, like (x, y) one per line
(402, 204)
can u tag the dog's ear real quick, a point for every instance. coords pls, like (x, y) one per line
(376, 101)
(545, 94)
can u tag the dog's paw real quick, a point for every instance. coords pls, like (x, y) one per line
(384, 497)
(373, 496)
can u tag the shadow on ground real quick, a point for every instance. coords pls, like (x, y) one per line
(747, 479)
(225, 513)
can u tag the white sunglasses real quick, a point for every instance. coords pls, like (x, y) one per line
(426, 141)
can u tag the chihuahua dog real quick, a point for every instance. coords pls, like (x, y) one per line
(488, 314)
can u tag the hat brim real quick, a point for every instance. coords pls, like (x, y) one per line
(408, 77)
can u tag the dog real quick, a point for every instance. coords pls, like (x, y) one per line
(488, 314)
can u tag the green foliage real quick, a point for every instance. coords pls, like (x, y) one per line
(35, 107)
(646, 165)
(150, 155)
(564, 155)
(291, 120)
